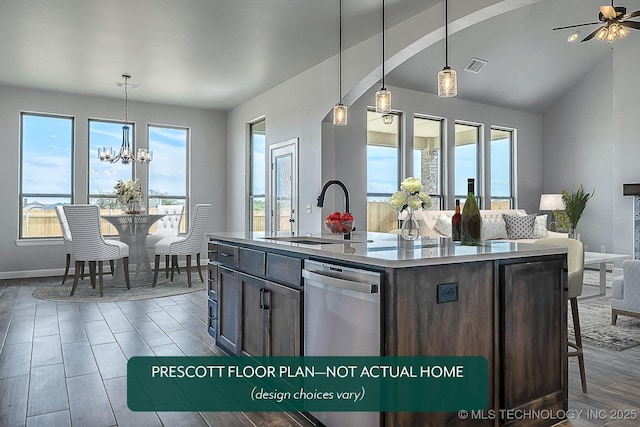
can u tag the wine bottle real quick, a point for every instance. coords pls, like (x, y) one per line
(470, 230)
(456, 223)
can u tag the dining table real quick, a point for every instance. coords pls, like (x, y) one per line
(133, 230)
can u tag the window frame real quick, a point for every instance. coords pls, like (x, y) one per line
(398, 122)
(187, 173)
(512, 184)
(251, 197)
(21, 193)
(479, 160)
(441, 196)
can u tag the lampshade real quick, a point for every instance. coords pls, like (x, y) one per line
(383, 101)
(340, 114)
(447, 83)
(551, 202)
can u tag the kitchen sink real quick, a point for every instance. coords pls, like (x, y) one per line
(309, 240)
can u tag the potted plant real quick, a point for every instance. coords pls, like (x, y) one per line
(574, 203)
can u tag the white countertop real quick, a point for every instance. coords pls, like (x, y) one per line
(390, 250)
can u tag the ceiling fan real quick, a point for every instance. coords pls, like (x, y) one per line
(616, 23)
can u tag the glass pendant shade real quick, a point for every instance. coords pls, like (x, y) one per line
(447, 83)
(340, 114)
(602, 34)
(383, 101)
(387, 119)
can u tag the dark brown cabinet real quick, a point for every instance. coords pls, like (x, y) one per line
(255, 315)
(229, 297)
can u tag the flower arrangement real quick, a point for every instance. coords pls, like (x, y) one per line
(410, 196)
(129, 192)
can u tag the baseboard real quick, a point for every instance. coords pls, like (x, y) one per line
(52, 272)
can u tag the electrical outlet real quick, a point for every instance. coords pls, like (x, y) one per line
(447, 292)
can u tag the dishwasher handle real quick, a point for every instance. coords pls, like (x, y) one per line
(366, 288)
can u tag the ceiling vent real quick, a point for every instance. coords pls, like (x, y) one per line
(475, 65)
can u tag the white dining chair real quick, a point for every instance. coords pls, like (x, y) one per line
(188, 245)
(88, 244)
(66, 239)
(168, 225)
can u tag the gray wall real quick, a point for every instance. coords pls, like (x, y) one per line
(208, 158)
(579, 147)
(350, 143)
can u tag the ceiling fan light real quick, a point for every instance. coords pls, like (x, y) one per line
(622, 31)
(383, 101)
(447, 83)
(602, 34)
(340, 114)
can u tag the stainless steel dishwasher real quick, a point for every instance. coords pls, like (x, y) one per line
(341, 318)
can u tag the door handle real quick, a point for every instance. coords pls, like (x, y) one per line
(263, 298)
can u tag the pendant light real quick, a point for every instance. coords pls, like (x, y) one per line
(447, 79)
(340, 110)
(383, 96)
(125, 155)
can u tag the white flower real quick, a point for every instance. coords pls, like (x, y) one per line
(410, 196)
(414, 202)
(411, 185)
(128, 192)
(398, 200)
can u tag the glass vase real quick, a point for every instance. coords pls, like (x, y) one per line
(410, 229)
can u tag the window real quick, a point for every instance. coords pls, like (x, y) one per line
(168, 174)
(501, 168)
(383, 170)
(257, 178)
(46, 172)
(467, 139)
(427, 157)
(103, 175)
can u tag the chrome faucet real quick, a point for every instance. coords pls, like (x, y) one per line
(320, 204)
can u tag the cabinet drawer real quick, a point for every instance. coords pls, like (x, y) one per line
(284, 269)
(251, 261)
(228, 255)
(212, 248)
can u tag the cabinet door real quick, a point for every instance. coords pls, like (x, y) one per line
(253, 328)
(229, 295)
(534, 336)
(284, 333)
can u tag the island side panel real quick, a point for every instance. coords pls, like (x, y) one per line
(534, 337)
(416, 324)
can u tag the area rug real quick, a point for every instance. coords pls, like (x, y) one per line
(595, 321)
(85, 293)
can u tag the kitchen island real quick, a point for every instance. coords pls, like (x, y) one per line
(501, 300)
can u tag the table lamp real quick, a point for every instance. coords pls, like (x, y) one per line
(551, 202)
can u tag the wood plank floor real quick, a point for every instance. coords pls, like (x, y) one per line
(64, 364)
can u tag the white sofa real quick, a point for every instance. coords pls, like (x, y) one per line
(428, 221)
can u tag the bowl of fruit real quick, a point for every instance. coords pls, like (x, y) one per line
(339, 223)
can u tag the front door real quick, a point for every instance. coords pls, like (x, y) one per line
(283, 187)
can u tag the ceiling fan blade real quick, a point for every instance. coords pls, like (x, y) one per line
(577, 25)
(608, 12)
(631, 15)
(631, 24)
(592, 35)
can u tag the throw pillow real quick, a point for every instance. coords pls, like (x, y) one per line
(443, 225)
(519, 227)
(540, 227)
(492, 230)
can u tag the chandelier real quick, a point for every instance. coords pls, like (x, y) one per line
(125, 155)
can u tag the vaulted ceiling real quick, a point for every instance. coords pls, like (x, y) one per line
(218, 54)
